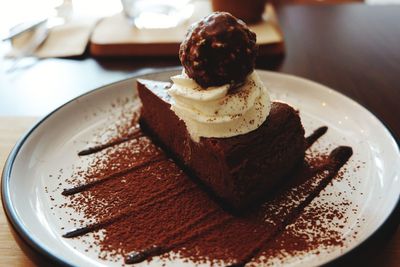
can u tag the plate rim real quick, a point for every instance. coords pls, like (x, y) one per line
(23, 234)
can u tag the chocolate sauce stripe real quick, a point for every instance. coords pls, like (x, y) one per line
(83, 187)
(312, 138)
(147, 203)
(338, 157)
(90, 228)
(91, 150)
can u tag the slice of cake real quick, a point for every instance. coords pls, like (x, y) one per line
(216, 118)
(241, 169)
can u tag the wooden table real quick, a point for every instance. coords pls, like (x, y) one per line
(351, 48)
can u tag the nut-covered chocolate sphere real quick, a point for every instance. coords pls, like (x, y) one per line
(217, 50)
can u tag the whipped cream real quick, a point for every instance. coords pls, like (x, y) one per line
(220, 111)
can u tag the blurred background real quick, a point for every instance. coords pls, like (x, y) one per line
(54, 50)
(18, 11)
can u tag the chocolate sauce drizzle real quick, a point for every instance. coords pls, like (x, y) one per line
(312, 138)
(337, 158)
(89, 228)
(140, 256)
(95, 149)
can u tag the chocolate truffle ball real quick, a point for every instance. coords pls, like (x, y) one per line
(217, 50)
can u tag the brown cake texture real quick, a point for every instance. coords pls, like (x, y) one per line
(239, 170)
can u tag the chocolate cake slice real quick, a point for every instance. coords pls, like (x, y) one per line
(240, 170)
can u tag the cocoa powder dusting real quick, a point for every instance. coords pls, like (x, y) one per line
(146, 206)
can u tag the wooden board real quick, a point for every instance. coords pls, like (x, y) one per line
(114, 36)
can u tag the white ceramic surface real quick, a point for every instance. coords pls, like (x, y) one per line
(53, 144)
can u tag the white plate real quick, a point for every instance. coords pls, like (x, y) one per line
(53, 144)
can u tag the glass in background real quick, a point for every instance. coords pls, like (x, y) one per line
(157, 13)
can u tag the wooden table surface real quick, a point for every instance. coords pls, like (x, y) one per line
(351, 48)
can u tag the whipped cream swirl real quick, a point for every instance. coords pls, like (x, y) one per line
(220, 111)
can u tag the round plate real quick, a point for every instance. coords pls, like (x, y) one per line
(53, 143)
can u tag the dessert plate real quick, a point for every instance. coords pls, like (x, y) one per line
(49, 149)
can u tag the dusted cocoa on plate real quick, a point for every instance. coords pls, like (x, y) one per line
(211, 171)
